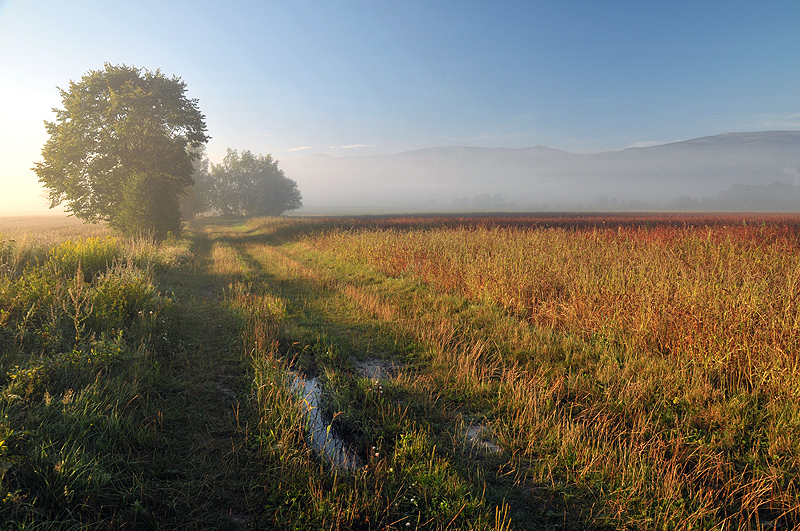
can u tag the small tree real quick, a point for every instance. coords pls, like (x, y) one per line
(250, 185)
(121, 149)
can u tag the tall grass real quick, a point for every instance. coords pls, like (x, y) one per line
(631, 374)
(659, 370)
(81, 325)
(724, 297)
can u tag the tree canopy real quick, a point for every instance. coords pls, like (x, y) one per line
(121, 149)
(250, 185)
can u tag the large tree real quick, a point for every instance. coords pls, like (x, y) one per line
(121, 149)
(250, 185)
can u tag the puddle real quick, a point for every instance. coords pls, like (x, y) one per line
(222, 386)
(480, 437)
(322, 438)
(377, 369)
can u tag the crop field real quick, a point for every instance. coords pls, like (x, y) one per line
(433, 372)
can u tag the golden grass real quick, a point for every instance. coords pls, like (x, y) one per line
(669, 379)
(49, 229)
(725, 298)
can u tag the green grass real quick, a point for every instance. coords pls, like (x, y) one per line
(147, 386)
(120, 389)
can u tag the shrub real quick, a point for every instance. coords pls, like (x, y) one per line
(120, 295)
(90, 256)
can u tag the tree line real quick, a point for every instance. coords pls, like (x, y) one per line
(128, 148)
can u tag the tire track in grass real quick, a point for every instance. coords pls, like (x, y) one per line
(204, 467)
(319, 290)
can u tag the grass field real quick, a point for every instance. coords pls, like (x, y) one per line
(504, 372)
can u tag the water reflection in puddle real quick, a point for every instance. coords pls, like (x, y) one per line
(480, 437)
(377, 369)
(322, 437)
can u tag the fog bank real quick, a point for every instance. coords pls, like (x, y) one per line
(736, 171)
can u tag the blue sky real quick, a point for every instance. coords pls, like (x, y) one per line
(354, 78)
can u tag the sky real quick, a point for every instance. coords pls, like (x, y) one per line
(292, 79)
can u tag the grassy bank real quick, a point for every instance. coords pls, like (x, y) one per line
(84, 329)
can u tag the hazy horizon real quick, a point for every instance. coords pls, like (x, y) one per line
(343, 80)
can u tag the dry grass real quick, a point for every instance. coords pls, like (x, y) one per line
(669, 381)
(724, 297)
(49, 229)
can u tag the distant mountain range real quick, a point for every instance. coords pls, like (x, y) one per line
(733, 171)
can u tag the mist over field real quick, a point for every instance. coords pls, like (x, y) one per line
(757, 171)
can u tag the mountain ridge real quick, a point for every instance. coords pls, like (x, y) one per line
(740, 136)
(538, 176)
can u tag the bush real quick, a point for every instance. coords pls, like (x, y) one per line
(120, 296)
(90, 256)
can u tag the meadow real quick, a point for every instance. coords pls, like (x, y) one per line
(535, 372)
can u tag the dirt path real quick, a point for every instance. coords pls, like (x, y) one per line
(204, 469)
